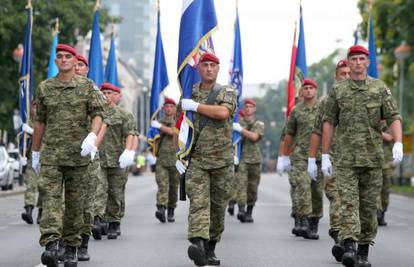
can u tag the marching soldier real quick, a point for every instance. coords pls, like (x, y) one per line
(166, 175)
(61, 144)
(357, 106)
(210, 174)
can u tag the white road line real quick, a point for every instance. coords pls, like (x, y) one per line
(40, 265)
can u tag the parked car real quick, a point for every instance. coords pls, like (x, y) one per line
(17, 167)
(6, 170)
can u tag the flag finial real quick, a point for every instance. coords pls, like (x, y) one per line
(57, 25)
(97, 4)
(29, 4)
(158, 5)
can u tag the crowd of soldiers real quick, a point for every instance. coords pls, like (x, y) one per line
(83, 143)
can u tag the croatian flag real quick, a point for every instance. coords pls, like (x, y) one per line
(198, 22)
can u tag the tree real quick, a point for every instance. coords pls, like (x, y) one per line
(75, 18)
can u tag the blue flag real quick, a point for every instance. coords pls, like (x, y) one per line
(356, 37)
(52, 70)
(159, 83)
(198, 22)
(236, 80)
(26, 81)
(372, 69)
(95, 53)
(111, 71)
(301, 51)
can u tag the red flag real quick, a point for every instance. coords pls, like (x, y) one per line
(290, 100)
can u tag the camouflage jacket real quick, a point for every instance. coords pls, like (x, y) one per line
(65, 108)
(167, 149)
(121, 124)
(250, 152)
(358, 111)
(213, 147)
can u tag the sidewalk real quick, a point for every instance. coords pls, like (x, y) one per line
(17, 190)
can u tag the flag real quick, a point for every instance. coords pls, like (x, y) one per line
(159, 83)
(356, 37)
(111, 71)
(95, 53)
(26, 80)
(301, 66)
(290, 99)
(372, 69)
(198, 22)
(52, 69)
(236, 79)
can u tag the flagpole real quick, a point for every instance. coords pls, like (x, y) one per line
(57, 26)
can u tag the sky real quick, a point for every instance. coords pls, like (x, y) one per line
(267, 28)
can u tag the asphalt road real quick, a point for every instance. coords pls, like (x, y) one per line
(267, 242)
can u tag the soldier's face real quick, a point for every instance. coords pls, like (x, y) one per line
(308, 92)
(65, 61)
(249, 110)
(342, 73)
(112, 97)
(358, 63)
(208, 71)
(81, 68)
(169, 109)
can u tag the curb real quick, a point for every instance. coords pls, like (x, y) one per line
(15, 192)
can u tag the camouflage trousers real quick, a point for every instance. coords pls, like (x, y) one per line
(101, 195)
(115, 206)
(308, 193)
(248, 179)
(384, 198)
(90, 184)
(209, 192)
(234, 191)
(331, 192)
(293, 195)
(359, 189)
(31, 195)
(54, 180)
(167, 179)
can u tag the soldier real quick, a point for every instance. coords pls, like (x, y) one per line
(308, 189)
(210, 174)
(331, 191)
(116, 153)
(31, 180)
(357, 106)
(252, 131)
(166, 175)
(65, 102)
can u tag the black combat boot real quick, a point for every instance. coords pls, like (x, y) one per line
(304, 230)
(49, 256)
(170, 215)
(241, 215)
(83, 249)
(363, 256)
(112, 230)
(160, 213)
(249, 218)
(210, 254)
(349, 259)
(104, 226)
(39, 215)
(337, 249)
(196, 251)
(96, 228)
(70, 257)
(118, 228)
(61, 251)
(27, 214)
(381, 218)
(313, 226)
(230, 208)
(295, 229)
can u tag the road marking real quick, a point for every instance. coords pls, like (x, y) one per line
(40, 265)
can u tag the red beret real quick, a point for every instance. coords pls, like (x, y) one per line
(67, 48)
(209, 57)
(357, 49)
(342, 63)
(310, 82)
(82, 58)
(110, 86)
(250, 101)
(168, 100)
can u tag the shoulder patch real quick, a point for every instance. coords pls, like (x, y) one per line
(229, 89)
(388, 91)
(260, 123)
(95, 87)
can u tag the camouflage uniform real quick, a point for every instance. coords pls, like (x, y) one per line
(210, 175)
(388, 170)
(358, 107)
(308, 192)
(121, 124)
(31, 179)
(166, 174)
(64, 107)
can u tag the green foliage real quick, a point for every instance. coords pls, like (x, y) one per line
(323, 72)
(75, 18)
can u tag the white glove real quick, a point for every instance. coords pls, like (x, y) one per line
(286, 164)
(397, 152)
(237, 127)
(23, 161)
(280, 164)
(326, 165)
(312, 168)
(36, 162)
(26, 128)
(181, 168)
(156, 124)
(93, 152)
(127, 158)
(236, 160)
(88, 144)
(189, 104)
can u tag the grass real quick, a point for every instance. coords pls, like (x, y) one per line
(405, 190)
